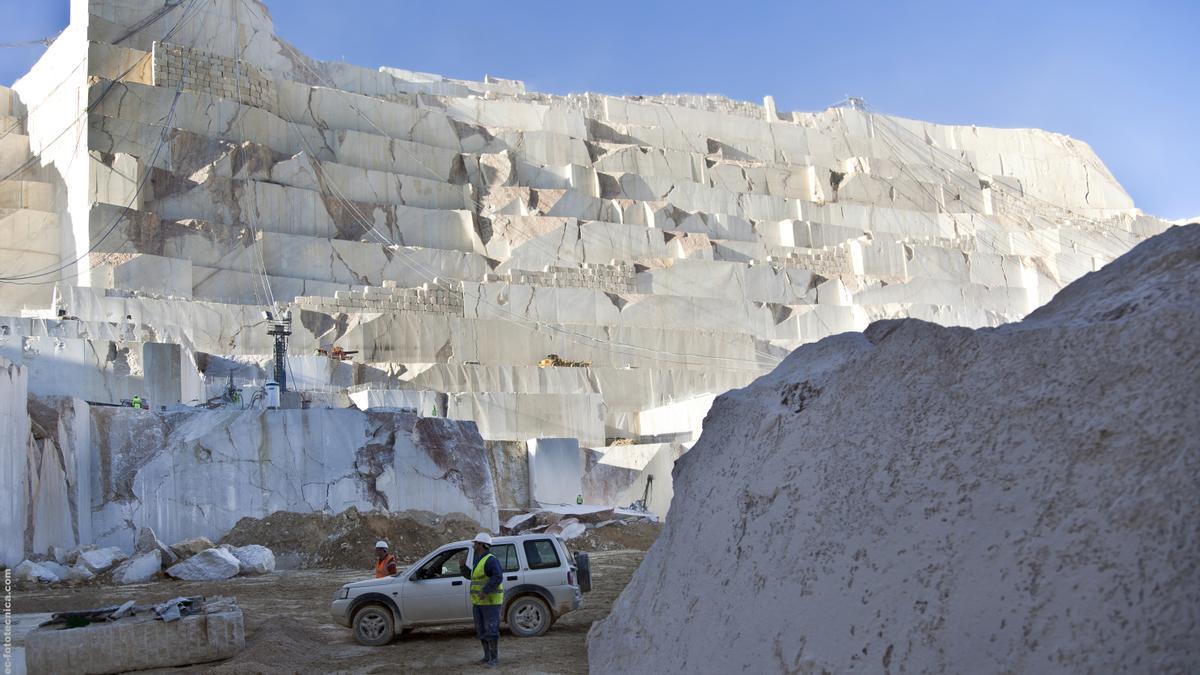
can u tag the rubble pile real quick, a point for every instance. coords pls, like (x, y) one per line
(347, 539)
(587, 527)
(196, 559)
(916, 498)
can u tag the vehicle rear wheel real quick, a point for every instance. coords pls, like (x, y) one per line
(529, 616)
(373, 626)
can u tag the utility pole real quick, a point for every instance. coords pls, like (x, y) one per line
(280, 329)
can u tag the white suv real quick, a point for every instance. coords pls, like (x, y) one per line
(542, 581)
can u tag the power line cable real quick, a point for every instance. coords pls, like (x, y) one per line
(23, 279)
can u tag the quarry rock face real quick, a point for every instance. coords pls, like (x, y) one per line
(586, 268)
(14, 442)
(239, 463)
(925, 499)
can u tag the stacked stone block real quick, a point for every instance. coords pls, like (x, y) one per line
(833, 262)
(444, 298)
(613, 278)
(178, 67)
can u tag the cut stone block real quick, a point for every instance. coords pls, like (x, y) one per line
(555, 470)
(136, 643)
(31, 571)
(213, 564)
(147, 541)
(253, 558)
(139, 569)
(102, 559)
(190, 547)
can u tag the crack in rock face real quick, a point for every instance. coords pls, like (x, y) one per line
(372, 459)
(254, 462)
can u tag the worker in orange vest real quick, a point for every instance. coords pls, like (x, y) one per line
(385, 562)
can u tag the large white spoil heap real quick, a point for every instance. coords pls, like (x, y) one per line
(532, 267)
(925, 499)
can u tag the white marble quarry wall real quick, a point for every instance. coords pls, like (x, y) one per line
(192, 474)
(14, 451)
(503, 416)
(52, 93)
(101, 370)
(60, 479)
(425, 403)
(191, 169)
(619, 475)
(681, 418)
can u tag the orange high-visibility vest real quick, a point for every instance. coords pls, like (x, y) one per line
(381, 566)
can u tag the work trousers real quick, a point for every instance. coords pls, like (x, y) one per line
(487, 621)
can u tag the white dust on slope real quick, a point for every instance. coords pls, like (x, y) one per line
(919, 498)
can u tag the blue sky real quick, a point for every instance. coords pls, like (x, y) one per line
(1122, 76)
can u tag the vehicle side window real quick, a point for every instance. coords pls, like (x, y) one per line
(444, 565)
(506, 554)
(541, 554)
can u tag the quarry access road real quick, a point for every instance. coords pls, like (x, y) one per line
(289, 630)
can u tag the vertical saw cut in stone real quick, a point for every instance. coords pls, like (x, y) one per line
(476, 268)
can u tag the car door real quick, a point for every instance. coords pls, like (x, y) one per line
(436, 591)
(506, 554)
(543, 562)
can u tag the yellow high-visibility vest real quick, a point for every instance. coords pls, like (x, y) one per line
(479, 580)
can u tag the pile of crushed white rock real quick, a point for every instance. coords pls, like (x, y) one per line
(570, 522)
(924, 499)
(196, 559)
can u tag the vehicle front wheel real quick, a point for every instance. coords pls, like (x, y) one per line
(373, 626)
(529, 616)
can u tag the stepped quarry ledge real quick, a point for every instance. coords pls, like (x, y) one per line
(496, 298)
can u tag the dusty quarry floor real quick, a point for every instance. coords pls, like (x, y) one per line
(288, 628)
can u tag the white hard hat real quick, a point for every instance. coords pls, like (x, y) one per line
(381, 544)
(484, 538)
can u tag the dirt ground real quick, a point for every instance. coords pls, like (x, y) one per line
(289, 630)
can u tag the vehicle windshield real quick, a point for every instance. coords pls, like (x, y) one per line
(448, 563)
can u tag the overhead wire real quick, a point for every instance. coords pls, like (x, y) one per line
(1027, 205)
(23, 279)
(368, 225)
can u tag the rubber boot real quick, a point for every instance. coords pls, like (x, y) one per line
(487, 652)
(495, 650)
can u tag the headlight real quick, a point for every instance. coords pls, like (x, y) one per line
(342, 594)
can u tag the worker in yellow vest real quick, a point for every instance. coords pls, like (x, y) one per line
(487, 598)
(137, 401)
